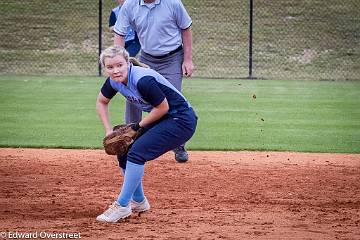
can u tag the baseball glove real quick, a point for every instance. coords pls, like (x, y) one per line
(118, 142)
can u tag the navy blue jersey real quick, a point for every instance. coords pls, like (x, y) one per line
(146, 89)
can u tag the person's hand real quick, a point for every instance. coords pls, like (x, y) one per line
(108, 132)
(187, 68)
(119, 140)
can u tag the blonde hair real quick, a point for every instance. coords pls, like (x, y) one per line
(118, 50)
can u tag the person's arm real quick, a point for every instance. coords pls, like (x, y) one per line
(151, 93)
(155, 114)
(187, 66)
(119, 40)
(121, 25)
(103, 112)
(106, 93)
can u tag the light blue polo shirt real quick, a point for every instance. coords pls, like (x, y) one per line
(157, 24)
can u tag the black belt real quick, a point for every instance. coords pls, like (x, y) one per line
(168, 54)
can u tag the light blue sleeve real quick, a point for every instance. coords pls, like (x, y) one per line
(183, 19)
(122, 22)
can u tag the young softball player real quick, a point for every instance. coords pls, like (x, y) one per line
(169, 123)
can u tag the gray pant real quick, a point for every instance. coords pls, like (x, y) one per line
(169, 67)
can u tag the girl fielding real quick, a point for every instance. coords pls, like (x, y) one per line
(169, 123)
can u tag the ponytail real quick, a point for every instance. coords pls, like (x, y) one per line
(136, 62)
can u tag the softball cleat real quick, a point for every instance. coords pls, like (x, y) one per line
(140, 207)
(114, 213)
(181, 155)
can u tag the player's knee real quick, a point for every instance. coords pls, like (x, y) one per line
(135, 157)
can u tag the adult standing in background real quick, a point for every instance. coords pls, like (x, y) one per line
(132, 46)
(164, 31)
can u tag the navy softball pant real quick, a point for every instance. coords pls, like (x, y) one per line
(164, 135)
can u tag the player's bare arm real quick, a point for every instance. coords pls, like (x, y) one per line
(119, 40)
(103, 112)
(155, 114)
(187, 66)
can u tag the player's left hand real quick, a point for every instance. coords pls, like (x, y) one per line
(118, 141)
(187, 68)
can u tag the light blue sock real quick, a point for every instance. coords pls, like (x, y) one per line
(139, 192)
(133, 175)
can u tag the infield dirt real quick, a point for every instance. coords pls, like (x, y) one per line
(216, 195)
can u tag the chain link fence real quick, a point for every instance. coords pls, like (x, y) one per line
(291, 39)
(48, 37)
(307, 39)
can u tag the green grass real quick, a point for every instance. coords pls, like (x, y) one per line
(310, 116)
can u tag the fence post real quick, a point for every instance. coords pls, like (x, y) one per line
(250, 38)
(100, 34)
